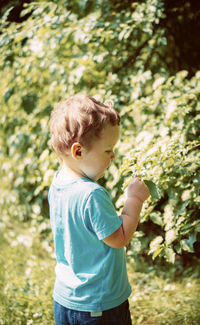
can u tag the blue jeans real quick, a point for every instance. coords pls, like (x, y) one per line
(116, 316)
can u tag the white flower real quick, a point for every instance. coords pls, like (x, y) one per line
(25, 240)
(135, 297)
(189, 284)
(29, 322)
(169, 287)
(36, 46)
(28, 271)
(36, 315)
(170, 109)
(14, 243)
(46, 246)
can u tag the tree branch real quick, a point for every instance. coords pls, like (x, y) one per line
(132, 58)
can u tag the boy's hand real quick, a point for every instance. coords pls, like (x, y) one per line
(137, 188)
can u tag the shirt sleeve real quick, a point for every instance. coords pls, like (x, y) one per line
(101, 212)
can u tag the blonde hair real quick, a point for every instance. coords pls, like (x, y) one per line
(80, 118)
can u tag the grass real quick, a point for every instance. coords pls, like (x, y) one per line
(159, 298)
(27, 275)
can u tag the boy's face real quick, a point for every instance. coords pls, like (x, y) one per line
(95, 160)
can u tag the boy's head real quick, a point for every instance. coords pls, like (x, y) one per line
(79, 119)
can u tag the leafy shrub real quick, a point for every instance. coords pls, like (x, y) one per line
(166, 151)
(48, 57)
(109, 52)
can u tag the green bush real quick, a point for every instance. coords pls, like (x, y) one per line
(163, 148)
(48, 57)
(113, 51)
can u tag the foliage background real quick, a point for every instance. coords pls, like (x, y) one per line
(125, 52)
(144, 55)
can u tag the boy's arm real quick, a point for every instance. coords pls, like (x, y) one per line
(137, 193)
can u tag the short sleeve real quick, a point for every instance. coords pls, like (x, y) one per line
(101, 212)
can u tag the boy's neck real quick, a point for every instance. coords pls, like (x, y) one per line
(70, 173)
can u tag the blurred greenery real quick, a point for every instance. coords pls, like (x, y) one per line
(112, 51)
(126, 52)
(143, 55)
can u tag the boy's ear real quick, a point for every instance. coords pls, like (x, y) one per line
(76, 150)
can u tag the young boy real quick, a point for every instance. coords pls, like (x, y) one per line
(91, 284)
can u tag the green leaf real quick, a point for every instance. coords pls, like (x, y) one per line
(136, 245)
(152, 189)
(157, 218)
(170, 236)
(170, 255)
(157, 252)
(155, 243)
(187, 244)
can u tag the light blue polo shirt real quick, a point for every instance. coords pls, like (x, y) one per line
(90, 275)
